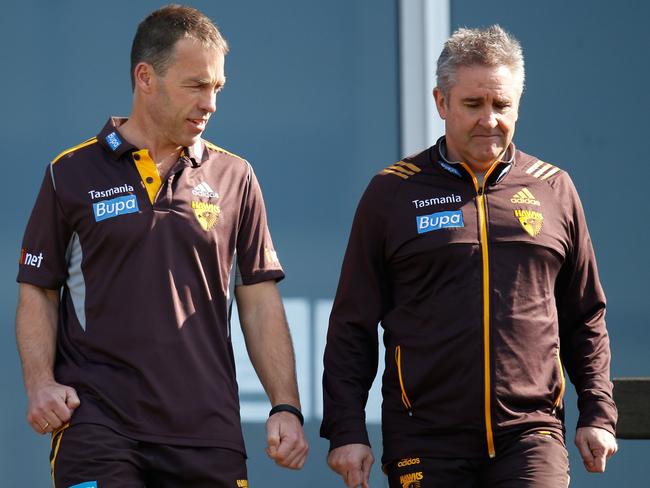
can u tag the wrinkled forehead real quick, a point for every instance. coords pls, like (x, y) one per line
(501, 78)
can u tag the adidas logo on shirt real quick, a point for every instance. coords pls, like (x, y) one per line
(525, 196)
(204, 190)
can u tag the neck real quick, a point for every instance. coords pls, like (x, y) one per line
(482, 167)
(140, 132)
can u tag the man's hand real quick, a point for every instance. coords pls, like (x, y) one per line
(596, 445)
(286, 441)
(352, 462)
(50, 406)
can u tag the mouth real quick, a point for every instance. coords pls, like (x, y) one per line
(198, 124)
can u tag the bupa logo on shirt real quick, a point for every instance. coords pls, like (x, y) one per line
(440, 220)
(86, 484)
(107, 209)
(113, 140)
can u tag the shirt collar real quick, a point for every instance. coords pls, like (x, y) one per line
(111, 140)
(196, 153)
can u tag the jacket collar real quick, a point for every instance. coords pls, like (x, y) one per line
(457, 169)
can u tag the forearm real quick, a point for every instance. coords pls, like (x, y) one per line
(589, 372)
(350, 365)
(273, 358)
(268, 341)
(584, 346)
(586, 355)
(36, 325)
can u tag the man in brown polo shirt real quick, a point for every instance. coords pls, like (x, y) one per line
(137, 242)
(476, 259)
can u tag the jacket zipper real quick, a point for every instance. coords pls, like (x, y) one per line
(481, 204)
(558, 400)
(405, 398)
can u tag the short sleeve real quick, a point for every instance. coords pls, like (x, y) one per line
(43, 255)
(256, 257)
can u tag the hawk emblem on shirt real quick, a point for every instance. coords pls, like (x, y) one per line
(531, 221)
(206, 213)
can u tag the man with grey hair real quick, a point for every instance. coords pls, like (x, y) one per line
(138, 241)
(476, 259)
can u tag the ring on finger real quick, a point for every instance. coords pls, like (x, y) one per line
(45, 426)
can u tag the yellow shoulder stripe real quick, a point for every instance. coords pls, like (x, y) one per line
(402, 169)
(88, 142)
(542, 170)
(391, 172)
(220, 149)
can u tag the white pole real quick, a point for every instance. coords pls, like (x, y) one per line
(424, 27)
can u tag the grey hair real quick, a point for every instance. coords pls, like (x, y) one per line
(492, 46)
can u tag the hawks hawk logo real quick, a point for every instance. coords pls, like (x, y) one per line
(531, 221)
(411, 480)
(206, 213)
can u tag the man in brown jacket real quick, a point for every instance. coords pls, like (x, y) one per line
(476, 259)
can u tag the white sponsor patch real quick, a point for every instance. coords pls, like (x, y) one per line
(427, 202)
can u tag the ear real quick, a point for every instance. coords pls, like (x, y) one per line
(441, 102)
(144, 77)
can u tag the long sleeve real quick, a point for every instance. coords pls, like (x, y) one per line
(584, 345)
(351, 354)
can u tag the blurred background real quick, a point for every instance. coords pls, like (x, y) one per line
(322, 95)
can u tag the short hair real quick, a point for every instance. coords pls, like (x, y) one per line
(491, 46)
(159, 32)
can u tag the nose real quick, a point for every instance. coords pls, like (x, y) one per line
(208, 102)
(489, 119)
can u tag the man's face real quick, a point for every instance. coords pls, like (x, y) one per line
(183, 99)
(480, 112)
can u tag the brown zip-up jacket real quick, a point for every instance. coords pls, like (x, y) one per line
(485, 294)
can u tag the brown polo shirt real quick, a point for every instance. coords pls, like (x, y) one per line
(146, 266)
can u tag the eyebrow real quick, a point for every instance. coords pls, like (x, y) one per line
(206, 81)
(481, 99)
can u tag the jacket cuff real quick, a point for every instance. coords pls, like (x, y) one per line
(345, 433)
(346, 438)
(599, 414)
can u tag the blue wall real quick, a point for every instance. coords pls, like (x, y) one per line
(312, 101)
